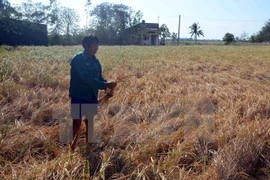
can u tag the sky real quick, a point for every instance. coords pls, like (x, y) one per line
(216, 17)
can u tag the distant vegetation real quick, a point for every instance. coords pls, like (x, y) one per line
(196, 31)
(228, 38)
(164, 33)
(108, 21)
(263, 35)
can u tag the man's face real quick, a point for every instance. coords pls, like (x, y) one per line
(92, 50)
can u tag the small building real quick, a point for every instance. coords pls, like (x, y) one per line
(142, 34)
(16, 32)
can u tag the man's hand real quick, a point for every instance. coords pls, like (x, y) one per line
(110, 88)
(110, 85)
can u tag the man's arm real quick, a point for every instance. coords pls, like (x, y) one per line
(101, 76)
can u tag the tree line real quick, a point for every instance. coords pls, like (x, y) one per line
(262, 36)
(107, 20)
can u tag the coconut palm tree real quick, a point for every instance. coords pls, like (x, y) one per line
(195, 30)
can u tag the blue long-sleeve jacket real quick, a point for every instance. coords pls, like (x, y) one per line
(85, 77)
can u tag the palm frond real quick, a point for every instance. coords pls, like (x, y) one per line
(200, 32)
(195, 30)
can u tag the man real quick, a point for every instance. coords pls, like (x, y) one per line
(86, 79)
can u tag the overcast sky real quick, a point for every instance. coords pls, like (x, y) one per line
(216, 17)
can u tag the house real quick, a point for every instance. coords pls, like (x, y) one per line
(142, 34)
(16, 32)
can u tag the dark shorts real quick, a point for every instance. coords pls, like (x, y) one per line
(79, 101)
(81, 107)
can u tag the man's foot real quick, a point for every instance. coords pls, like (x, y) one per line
(94, 160)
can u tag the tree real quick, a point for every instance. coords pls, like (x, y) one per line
(244, 36)
(110, 21)
(70, 19)
(195, 30)
(264, 34)
(228, 38)
(136, 19)
(87, 10)
(33, 12)
(55, 24)
(252, 38)
(6, 10)
(164, 32)
(174, 36)
(103, 23)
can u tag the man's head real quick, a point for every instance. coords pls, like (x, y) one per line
(90, 44)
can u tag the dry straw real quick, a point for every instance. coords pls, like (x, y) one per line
(177, 113)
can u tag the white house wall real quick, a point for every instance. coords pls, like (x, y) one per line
(148, 42)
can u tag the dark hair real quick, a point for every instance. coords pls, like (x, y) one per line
(89, 40)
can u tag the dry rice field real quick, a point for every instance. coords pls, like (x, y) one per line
(188, 112)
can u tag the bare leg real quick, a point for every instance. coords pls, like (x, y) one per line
(89, 134)
(93, 158)
(76, 128)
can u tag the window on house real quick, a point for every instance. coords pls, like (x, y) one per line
(145, 38)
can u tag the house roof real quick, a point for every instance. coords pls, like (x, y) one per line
(149, 26)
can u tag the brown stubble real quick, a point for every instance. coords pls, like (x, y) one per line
(178, 112)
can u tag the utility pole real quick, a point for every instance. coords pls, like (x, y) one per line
(179, 30)
(158, 20)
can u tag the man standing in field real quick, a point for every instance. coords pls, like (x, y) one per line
(85, 81)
